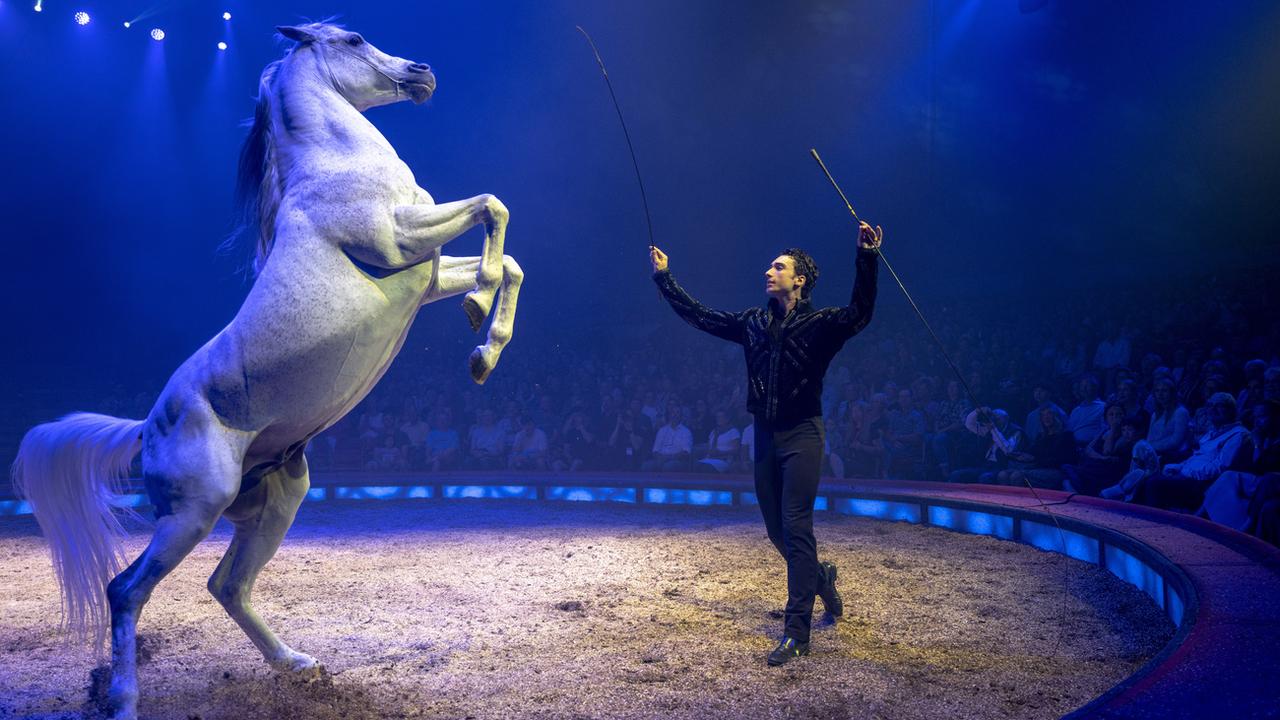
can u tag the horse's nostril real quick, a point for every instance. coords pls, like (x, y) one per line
(420, 67)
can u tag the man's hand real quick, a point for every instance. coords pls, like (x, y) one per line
(658, 258)
(869, 238)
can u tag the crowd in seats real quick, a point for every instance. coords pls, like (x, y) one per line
(1161, 396)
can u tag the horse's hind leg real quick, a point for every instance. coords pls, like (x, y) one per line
(191, 479)
(261, 517)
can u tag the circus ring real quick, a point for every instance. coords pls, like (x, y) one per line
(922, 634)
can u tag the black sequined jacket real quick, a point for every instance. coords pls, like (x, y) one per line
(787, 356)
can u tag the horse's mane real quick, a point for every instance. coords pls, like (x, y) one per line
(258, 186)
(257, 181)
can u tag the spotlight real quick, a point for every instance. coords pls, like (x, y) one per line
(157, 34)
(127, 23)
(82, 18)
(39, 6)
(222, 46)
(226, 16)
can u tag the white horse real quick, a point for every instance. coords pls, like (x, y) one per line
(348, 250)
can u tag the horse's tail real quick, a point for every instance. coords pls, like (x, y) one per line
(71, 471)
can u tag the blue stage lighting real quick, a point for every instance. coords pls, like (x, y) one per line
(226, 16)
(82, 18)
(157, 34)
(222, 46)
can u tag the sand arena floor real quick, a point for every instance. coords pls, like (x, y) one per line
(512, 609)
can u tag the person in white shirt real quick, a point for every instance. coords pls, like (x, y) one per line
(671, 446)
(722, 444)
(1085, 421)
(1183, 485)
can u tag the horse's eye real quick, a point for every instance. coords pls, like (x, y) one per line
(355, 40)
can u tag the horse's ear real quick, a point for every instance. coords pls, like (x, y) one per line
(295, 33)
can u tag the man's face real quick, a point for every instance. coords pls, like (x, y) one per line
(780, 279)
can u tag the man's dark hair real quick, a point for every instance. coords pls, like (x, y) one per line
(804, 266)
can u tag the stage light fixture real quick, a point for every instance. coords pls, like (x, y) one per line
(82, 18)
(226, 16)
(127, 23)
(222, 46)
(157, 34)
(39, 6)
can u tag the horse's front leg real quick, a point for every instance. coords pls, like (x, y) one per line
(421, 229)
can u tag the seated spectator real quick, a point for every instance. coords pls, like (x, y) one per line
(485, 443)
(866, 439)
(386, 456)
(509, 423)
(723, 444)
(1043, 396)
(904, 435)
(1041, 465)
(576, 440)
(1252, 393)
(442, 444)
(1086, 422)
(700, 422)
(672, 445)
(949, 431)
(1271, 384)
(1126, 397)
(1169, 432)
(1105, 460)
(643, 425)
(629, 440)
(1006, 440)
(1202, 418)
(1183, 485)
(1228, 499)
(528, 447)
(413, 441)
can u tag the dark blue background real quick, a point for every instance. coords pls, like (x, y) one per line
(1004, 152)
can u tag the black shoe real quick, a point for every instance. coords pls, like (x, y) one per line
(827, 590)
(787, 649)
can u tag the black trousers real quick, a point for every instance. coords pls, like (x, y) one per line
(788, 462)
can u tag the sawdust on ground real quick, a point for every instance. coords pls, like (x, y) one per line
(513, 609)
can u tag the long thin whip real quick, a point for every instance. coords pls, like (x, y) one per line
(959, 375)
(643, 198)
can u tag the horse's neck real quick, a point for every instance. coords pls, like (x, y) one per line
(312, 118)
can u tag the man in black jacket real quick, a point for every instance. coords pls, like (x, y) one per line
(788, 345)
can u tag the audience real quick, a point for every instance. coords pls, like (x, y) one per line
(1154, 390)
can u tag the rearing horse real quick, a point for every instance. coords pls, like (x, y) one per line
(348, 250)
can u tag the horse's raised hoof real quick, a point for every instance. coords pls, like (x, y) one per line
(300, 667)
(475, 310)
(481, 365)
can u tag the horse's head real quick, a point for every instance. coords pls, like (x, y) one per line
(360, 72)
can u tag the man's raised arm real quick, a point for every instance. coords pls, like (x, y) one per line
(854, 317)
(726, 325)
